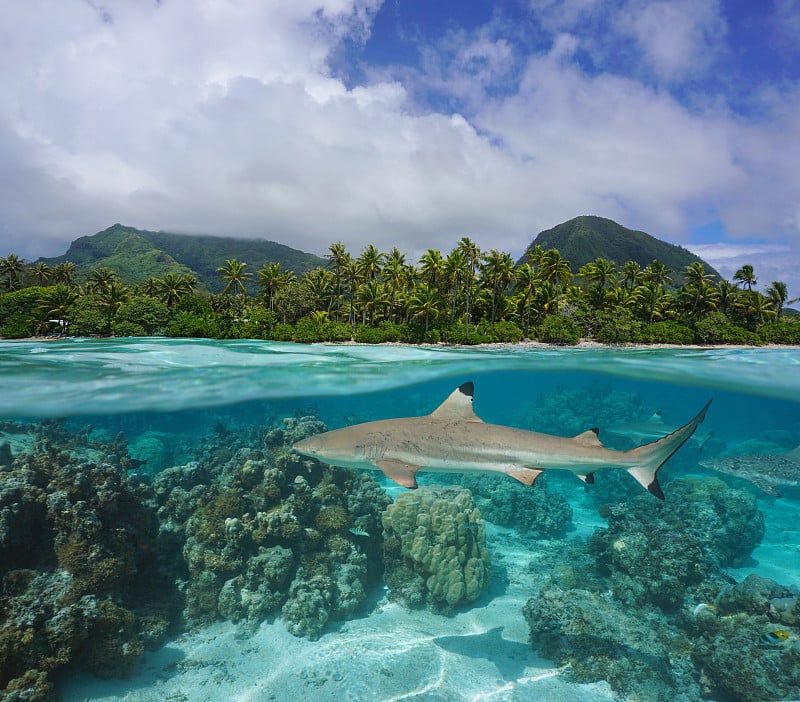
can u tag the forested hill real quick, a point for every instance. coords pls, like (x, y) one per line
(586, 238)
(136, 254)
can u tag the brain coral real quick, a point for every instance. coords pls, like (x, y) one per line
(435, 548)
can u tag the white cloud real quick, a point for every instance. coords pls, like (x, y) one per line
(679, 38)
(223, 117)
(770, 262)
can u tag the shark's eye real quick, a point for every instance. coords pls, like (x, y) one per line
(359, 450)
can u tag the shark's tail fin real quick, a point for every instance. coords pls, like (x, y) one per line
(649, 458)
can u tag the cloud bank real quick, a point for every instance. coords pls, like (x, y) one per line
(233, 118)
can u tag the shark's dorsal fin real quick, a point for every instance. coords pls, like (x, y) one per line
(588, 438)
(458, 405)
(656, 418)
(794, 454)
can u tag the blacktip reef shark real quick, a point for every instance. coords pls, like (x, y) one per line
(453, 439)
(767, 471)
(650, 429)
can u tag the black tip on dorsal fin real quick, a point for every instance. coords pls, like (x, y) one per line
(595, 431)
(467, 388)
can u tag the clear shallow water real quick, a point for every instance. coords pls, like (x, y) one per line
(82, 376)
(178, 391)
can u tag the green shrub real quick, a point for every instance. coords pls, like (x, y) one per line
(368, 335)
(149, 315)
(312, 329)
(666, 332)
(282, 332)
(617, 327)
(194, 304)
(501, 332)
(18, 326)
(556, 329)
(187, 325)
(125, 328)
(716, 328)
(23, 301)
(780, 333)
(87, 317)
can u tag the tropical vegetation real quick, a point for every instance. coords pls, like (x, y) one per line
(466, 296)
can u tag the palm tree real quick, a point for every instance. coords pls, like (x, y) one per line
(700, 286)
(172, 287)
(234, 274)
(394, 271)
(372, 295)
(431, 265)
(39, 272)
(55, 304)
(424, 302)
(498, 272)
(338, 258)
(746, 276)
(112, 297)
(526, 281)
(11, 267)
(271, 278)
(555, 270)
(728, 292)
(598, 273)
(755, 308)
(472, 257)
(631, 275)
(778, 292)
(64, 273)
(101, 279)
(150, 287)
(454, 271)
(318, 284)
(369, 262)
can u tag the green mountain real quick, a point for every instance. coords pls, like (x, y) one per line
(136, 255)
(586, 238)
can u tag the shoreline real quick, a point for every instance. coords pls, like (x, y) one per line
(525, 343)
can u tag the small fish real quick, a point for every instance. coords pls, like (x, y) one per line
(774, 637)
(704, 608)
(358, 531)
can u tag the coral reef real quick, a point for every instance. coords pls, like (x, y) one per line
(653, 612)
(533, 510)
(79, 561)
(266, 531)
(636, 652)
(655, 551)
(735, 659)
(435, 548)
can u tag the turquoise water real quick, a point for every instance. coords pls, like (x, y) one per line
(179, 392)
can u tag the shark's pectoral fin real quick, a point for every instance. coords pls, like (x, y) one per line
(527, 476)
(588, 478)
(402, 473)
(763, 484)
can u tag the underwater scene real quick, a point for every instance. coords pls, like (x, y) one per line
(585, 525)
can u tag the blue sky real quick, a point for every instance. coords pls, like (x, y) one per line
(406, 122)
